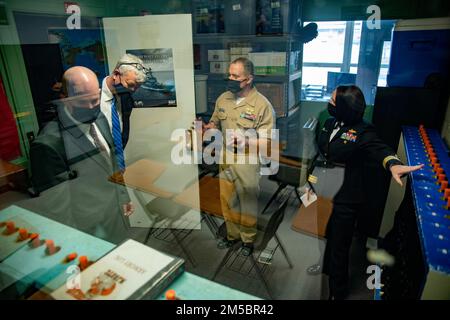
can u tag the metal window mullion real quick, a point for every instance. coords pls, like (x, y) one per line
(348, 41)
(322, 64)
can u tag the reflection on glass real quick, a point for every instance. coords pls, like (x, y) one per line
(356, 41)
(331, 35)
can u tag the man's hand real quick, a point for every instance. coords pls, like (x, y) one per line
(128, 209)
(210, 125)
(398, 171)
(205, 126)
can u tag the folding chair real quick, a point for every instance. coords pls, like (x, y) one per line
(264, 235)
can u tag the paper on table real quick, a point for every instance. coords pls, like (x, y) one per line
(125, 269)
(308, 198)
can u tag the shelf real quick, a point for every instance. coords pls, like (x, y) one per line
(215, 38)
(258, 78)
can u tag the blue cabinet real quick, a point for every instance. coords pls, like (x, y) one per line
(419, 48)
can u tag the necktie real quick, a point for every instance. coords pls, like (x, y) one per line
(117, 137)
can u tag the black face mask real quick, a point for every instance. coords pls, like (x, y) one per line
(120, 89)
(86, 115)
(234, 86)
(331, 110)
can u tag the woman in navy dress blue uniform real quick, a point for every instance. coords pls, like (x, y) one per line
(346, 140)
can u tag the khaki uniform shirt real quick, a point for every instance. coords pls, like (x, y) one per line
(253, 112)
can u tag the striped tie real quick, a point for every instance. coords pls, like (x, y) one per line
(117, 137)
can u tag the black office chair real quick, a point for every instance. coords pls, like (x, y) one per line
(290, 175)
(164, 213)
(265, 233)
(286, 176)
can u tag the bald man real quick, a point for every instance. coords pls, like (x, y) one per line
(72, 160)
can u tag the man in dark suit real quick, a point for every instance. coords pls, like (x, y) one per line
(72, 160)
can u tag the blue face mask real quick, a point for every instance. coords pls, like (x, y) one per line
(120, 89)
(234, 86)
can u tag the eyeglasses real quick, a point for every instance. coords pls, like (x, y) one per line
(138, 66)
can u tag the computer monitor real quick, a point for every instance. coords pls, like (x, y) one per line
(335, 79)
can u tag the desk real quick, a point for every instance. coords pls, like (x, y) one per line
(142, 175)
(313, 220)
(14, 175)
(188, 286)
(208, 189)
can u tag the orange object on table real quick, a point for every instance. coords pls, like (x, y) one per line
(444, 185)
(51, 248)
(72, 256)
(171, 295)
(441, 177)
(84, 262)
(10, 228)
(23, 234)
(35, 240)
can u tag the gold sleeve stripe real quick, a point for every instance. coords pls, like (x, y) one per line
(312, 179)
(388, 158)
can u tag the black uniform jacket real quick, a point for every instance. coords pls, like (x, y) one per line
(351, 147)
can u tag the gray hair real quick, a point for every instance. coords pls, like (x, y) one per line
(124, 66)
(247, 64)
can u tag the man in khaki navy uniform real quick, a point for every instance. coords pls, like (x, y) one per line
(241, 107)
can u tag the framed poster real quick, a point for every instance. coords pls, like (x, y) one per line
(159, 87)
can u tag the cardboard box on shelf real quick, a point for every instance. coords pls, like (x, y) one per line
(275, 93)
(240, 48)
(269, 63)
(219, 67)
(219, 55)
(234, 49)
(246, 50)
(235, 56)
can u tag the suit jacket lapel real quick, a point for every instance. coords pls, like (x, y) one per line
(105, 130)
(339, 133)
(73, 136)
